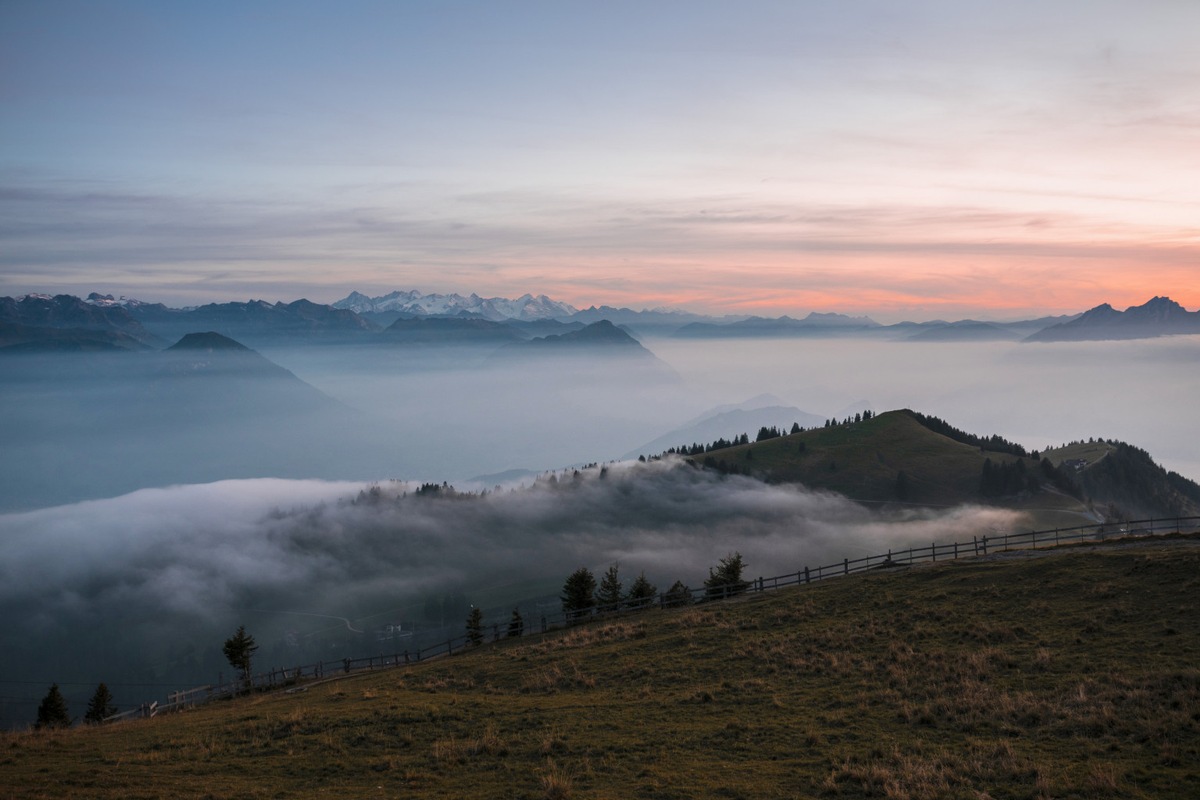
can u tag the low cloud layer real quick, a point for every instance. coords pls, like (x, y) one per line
(165, 564)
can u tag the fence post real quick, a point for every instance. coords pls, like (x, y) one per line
(933, 549)
(806, 578)
(985, 544)
(845, 566)
(956, 549)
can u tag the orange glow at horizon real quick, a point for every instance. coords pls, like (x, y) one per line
(895, 287)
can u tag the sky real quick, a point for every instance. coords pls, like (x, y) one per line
(915, 160)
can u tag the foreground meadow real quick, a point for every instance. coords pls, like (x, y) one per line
(1070, 673)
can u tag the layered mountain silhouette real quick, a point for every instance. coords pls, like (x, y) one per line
(209, 342)
(602, 336)
(598, 354)
(64, 323)
(36, 322)
(207, 408)
(451, 330)
(1160, 316)
(965, 331)
(257, 321)
(497, 309)
(815, 324)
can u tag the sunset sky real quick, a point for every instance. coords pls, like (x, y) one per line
(912, 159)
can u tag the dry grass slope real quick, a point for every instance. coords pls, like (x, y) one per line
(1069, 674)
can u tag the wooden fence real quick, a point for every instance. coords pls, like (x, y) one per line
(298, 678)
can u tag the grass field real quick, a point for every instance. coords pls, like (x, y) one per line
(1071, 673)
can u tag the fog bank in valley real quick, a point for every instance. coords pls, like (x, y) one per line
(78, 427)
(141, 588)
(146, 586)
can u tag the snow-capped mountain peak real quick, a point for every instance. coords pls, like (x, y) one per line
(526, 307)
(108, 301)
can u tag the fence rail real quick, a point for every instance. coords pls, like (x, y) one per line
(978, 546)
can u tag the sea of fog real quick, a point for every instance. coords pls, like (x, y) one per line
(138, 586)
(461, 420)
(1141, 392)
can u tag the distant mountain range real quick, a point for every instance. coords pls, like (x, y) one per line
(600, 351)
(602, 335)
(41, 323)
(779, 326)
(1160, 316)
(64, 323)
(206, 408)
(526, 307)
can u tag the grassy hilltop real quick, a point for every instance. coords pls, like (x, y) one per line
(864, 461)
(1072, 673)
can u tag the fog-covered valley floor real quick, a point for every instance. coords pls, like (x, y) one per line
(140, 590)
(464, 418)
(148, 517)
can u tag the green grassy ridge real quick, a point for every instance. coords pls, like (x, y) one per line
(862, 460)
(1072, 673)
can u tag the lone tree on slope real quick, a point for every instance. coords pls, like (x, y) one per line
(52, 711)
(100, 706)
(239, 649)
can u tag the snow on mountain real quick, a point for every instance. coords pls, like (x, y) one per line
(108, 301)
(526, 307)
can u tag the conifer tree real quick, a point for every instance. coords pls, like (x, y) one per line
(100, 706)
(725, 579)
(475, 626)
(578, 597)
(52, 711)
(239, 650)
(516, 626)
(641, 592)
(610, 595)
(678, 595)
